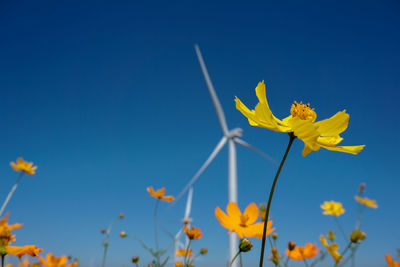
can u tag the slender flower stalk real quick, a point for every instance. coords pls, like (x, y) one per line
(234, 258)
(341, 228)
(106, 241)
(187, 256)
(291, 139)
(155, 231)
(3, 207)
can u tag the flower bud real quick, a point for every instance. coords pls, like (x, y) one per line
(121, 215)
(135, 259)
(275, 256)
(263, 211)
(331, 235)
(245, 245)
(361, 188)
(122, 234)
(357, 236)
(103, 231)
(203, 251)
(274, 236)
(291, 245)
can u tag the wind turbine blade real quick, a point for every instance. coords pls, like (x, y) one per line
(189, 203)
(247, 145)
(211, 90)
(203, 167)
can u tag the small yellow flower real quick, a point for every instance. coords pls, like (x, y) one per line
(367, 202)
(5, 231)
(178, 264)
(332, 249)
(242, 224)
(122, 234)
(184, 252)
(298, 253)
(21, 165)
(52, 261)
(192, 233)
(332, 208)
(302, 123)
(159, 194)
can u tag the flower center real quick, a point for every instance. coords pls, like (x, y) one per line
(243, 220)
(303, 111)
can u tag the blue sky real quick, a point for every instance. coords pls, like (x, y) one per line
(108, 98)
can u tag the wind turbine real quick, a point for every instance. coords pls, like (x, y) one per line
(232, 137)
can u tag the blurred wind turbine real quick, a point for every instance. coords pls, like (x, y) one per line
(231, 137)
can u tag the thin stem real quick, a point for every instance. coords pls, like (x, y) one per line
(155, 231)
(137, 265)
(353, 251)
(360, 212)
(106, 241)
(292, 137)
(2, 260)
(11, 193)
(186, 253)
(340, 228)
(234, 258)
(305, 262)
(287, 258)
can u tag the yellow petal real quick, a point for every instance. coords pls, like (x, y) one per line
(306, 131)
(168, 198)
(330, 140)
(233, 212)
(223, 219)
(252, 212)
(347, 149)
(334, 125)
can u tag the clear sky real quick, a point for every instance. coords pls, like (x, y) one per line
(107, 98)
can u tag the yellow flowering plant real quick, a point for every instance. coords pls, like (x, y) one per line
(301, 124)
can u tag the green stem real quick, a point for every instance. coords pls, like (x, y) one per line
(186, 253)
(305, 262)
(360, 212)
(240, 259)
(106, 241)
(11, 193)
(234, 258)
(155, 231)
(340, 228)
(2, 260)
(292, 137)
(137, 265)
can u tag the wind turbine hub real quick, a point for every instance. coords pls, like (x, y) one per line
(237, 132)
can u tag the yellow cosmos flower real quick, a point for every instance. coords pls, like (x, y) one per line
(244, 225)
(302, 123)
(390, 262)
(192, 233)
(5, 231)
(21, 165)
(367, 202)
(178, 264)
(184, 252)
(159, 194)
(52, 261)
(332, 208)
(309, 251)
(332, 249)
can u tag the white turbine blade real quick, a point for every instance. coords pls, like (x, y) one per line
(188, 203)
(203, 167)
(217, 104)
(247, 145)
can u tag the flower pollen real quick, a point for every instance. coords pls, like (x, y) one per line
(303, 111)
(243, 220)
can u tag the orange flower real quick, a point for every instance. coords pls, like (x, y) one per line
(30, 250)
(159, 194)
(309, 251)
(178, 264)
(242, 224)
(52, 261)
(21, 165)
(390, 262)
(184, 252)
(5, 231)
(192, 233)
